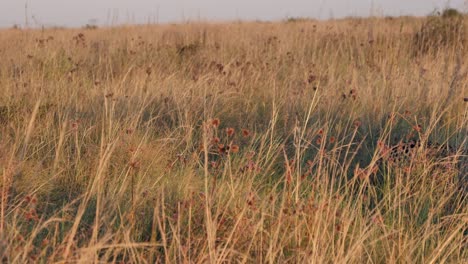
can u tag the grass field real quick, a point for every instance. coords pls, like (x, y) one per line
(242, 142)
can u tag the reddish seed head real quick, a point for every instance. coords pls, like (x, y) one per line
(215, 122)
(357, 123)
(417, 128)
(320, 132)
(32, 215)
(216, 140)
(28, 216)
(245, 132)
(74, 125)
(332, 140)
(223, 149)
(230, 131)
(380, 144)
(311, 78)
(234, 148)
(318, 141)
(149, 71)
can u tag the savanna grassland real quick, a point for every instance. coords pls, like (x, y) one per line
(298, 141)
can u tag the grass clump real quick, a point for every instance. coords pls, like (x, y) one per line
(446, 30)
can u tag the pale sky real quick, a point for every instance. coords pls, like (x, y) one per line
(77, 13)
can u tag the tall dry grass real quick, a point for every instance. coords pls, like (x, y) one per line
(240, 142)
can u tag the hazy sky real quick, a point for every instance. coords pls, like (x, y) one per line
(105, 12)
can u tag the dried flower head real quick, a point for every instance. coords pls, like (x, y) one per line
(215, 140)
(332, 140)
(234, 148)
(220, 67)
(31, 215)
(245, 132)
(380, 143)
(74, 125)
(149, 71)
(407, 169)
(215, 122)
(357, 123)
(230, 131)
(318, 141)
(418, 128)
(311, 78)
(222, 149)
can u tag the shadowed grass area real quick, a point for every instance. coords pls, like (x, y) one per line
(304, 141)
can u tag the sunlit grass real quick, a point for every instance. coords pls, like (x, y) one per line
(241, 142)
